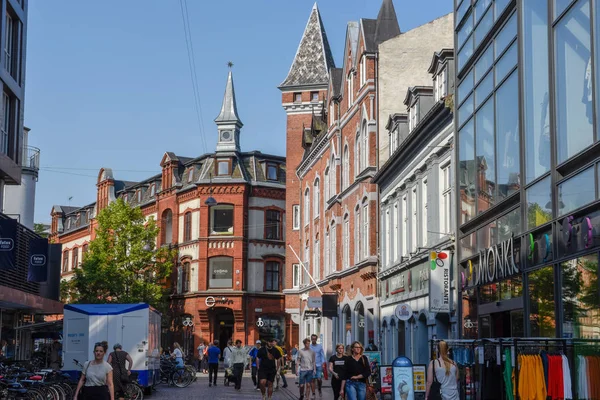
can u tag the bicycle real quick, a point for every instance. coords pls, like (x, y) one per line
(173, 376)
(133, 391)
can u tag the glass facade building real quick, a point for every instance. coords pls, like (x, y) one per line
(527, 105)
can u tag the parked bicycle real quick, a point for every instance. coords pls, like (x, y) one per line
(173, 376)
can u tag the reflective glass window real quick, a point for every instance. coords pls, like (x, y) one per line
(506, 35)
(480, 9)
(580, 298)
(509, 224)
(484, 89)
(596, 9)
(464, 31)
(468, 245)
(506, 63)
(573, 81)
(507, 137)
(539, 203)
(465, 110)
(466, 155)
(500, 6)
(542, 315)
(484, 63)
(464, 88)
(484, 27)
(462, 10)
(487, 236)
(576, 191)
(536, 106)
(484, 137)
(465, 53)
(470, 316)
(560, 6)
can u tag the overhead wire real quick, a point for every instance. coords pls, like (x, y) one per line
(192, 64)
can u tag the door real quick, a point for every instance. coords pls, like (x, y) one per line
(134, 339)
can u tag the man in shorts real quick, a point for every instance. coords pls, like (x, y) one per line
(306, 369)
(267, 361)
(319, 361)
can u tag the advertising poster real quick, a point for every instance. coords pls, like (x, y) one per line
(439, 281)
(420, 383)
(403, 383)
(386, 374)
(374, 363)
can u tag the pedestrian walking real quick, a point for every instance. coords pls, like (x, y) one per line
(227, 352)
(214, 353)
(337, 367)
(357, 372)
(121, 372)
(202, 357)
(267, 368)
(177, 354)
(238, 361)
(281, 366)
(444, 371)
(96, 381)
(294, 358)
(253, 355)
(306, 369)
(319, 360)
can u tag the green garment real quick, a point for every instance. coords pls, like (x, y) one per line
(508, 375)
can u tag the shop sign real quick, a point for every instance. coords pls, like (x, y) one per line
(496, 262)
(211, 301)
(315, 302)
(403, 312)
(8, 238)
(38, 268)
(439, 282)
(312, 314)
(398, 284)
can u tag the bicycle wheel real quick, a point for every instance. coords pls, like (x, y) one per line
(62, 395)
(181, 378)
(35, 394)
(133, 392)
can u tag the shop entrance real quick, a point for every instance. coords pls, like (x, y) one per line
(502, 324)
(222, 322)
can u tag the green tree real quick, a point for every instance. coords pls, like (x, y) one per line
(40, 229)
(123, 264)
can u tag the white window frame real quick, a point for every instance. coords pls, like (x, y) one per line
(306, 206)
(365, 221)
(331, 113)
(333, 247)
(441, 81)
(365, 145)
(404, 225)
(446, 199)
(212, 219)
(350, 88)
(316, 261)
(395, 237)
(412, 116)
(296, 217)
(414, 217)
(326, 255)
(357, 235)
(425, 212)
(388, 237)
(296, 275)
(363, 70)
(346, 242)
(346, 169)
(357, 155)
(9, 43)
(333, 178)
(326, 188)
(316, 197)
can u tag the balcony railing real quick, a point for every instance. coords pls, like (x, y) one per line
(31, 158)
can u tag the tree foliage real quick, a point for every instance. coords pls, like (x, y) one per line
(123, 264)
(40, 229)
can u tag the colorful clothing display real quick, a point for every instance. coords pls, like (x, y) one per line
(532, 385)
(588, 377)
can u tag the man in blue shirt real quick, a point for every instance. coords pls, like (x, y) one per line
(253, 354)
(319, 360)
(214, 352)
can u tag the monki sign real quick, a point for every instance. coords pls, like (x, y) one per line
(496, 262)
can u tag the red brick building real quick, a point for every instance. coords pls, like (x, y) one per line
(332, 114)
(230, 268)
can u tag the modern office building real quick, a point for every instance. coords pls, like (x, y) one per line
(527, 189)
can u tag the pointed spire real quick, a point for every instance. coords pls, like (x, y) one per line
(313, 58)
(229, 111)
(387, 25)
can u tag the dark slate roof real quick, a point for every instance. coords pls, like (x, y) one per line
(387, 23)
(336, 80)
(229, 112)
(368, 27)
(313, 58)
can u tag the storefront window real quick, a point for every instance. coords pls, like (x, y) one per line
(542, 316)
(484, 128)
(507, 137)
(467, 172)
(348, 325)
(580, 298)
(273, 328)
(220, 272)
(505, 290)
(539, 204)
(576, 191)
(470, 317)
(574, 115)
(539, 248)
(535, 89)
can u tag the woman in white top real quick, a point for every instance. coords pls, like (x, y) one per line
(446, 374)
(97, 377)
(177, 355)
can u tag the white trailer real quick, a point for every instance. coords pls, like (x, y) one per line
(135, 326)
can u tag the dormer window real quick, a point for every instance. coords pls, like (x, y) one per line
(314, 97)
(68, 223)
(272, 172)
(190, 177)
(125, 197)
(298, 97)
(152, 190)
(440, 86)
(223, 167)
(139, 195)
(412, 115)
(87, 217)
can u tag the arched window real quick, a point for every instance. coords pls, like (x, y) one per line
(326, 188)
(365, 228)
(346, 169)
(333, 247)
(346, 242)
(357, 234)
(360, 322)
(306, 206)
(326, 261)
(186, 277)
(187, 227)
(347, 321)
(365, 146)
(333, 178)
(316, 200)
(357, 155)
(167, 226)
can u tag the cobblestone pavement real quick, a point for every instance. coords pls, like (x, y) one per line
(200, 390)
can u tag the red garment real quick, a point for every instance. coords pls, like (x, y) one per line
(556, 383)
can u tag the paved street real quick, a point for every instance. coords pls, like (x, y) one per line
(200, 390)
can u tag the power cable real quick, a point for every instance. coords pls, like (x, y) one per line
(192, 64)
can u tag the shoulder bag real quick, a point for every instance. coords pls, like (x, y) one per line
(435, 391)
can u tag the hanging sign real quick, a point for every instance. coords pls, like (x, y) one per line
(38, 260)
(315, 302)
(8, 240)
(403, 312)
(439, 282)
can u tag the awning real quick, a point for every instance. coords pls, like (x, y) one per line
(42, 326)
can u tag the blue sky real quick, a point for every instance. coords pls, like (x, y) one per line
(108, 82)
